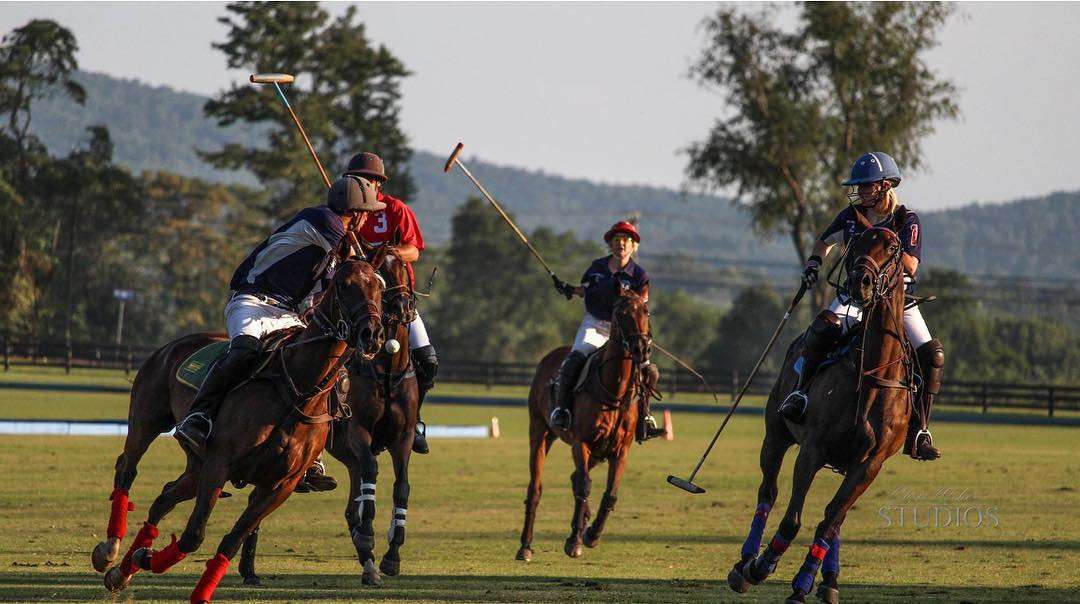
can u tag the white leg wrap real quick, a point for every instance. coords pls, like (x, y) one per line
(367, 493)
(398, 520)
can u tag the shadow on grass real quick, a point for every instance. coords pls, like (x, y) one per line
(75, 587)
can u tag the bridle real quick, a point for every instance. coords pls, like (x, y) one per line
(630, 336)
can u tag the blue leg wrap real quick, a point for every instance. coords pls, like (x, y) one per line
(804, 580)
(832, 558)
(757, 528)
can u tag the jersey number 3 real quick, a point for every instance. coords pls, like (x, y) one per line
(381, 226)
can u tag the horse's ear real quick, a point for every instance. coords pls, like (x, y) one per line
(380, 256)
(396, 240)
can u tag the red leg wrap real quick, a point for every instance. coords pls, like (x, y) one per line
(118, 518)
(215, 570)
(144, 538)
(166, 558)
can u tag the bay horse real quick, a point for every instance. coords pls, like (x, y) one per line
(385, 402)
(268, 432)
(858, 415)
(605, 418)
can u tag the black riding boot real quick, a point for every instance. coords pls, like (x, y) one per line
(820, 338)
(647, 427)
(427, 367)
(919, 444)
(564, 389)
(235, 367)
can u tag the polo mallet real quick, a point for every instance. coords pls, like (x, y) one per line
(454, 159)
(277, 79)
(688, 484)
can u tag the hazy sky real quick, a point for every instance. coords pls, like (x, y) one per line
(599, 91)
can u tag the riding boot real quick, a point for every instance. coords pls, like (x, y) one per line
(820, 338)
(647, 427)
(563, 387)
(919, 444)
(235, 367)
(316, 479)
(427, 366)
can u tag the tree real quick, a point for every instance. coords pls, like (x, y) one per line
(802, 105)
(745, 329)
(347, 94)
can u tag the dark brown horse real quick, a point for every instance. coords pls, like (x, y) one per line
(857, 418)
(384, 400)
(268, 432)
(605, 417)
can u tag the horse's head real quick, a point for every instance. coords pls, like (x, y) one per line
(630, 322)
(353, 307)
(398, 297)
(873, 266)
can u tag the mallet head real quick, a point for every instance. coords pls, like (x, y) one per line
(271, 78)
(685, 485)
(453, 157)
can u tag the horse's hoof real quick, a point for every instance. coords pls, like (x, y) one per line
(524, 554)
(252, 580)
(572, 548)
(371, 574)
(796, 597)
(390, 567)
(829, 595)
(590, 539)
(736, 581)
(115, 580)
(141, 557)
(105, 553)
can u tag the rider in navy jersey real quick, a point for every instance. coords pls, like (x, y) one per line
(874, 177)
(598, 288)
(269, 288)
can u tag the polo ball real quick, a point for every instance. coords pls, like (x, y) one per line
(392, 346)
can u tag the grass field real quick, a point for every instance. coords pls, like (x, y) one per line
(465, 516)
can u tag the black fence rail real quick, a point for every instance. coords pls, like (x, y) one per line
(1050, 398)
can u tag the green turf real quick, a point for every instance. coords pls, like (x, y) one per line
(465, 514)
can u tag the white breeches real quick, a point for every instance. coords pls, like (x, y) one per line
(248, 315)
(591, 334)
(418, 337)
(914, 324)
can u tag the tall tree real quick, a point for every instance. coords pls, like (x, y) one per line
(36, 61)
(347, 94)
(802, 105)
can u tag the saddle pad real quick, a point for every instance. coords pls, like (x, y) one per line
(193, 370)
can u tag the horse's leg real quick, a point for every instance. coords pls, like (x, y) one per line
(540, 441)
(856, 482)
(181, 489)
(829, 589)
(360, 512)
(807, 465)
(138, 440)
(211, 479)
(261, 503)
(616, 468)
(581, 483)
(399, 454)
(247, 557)
(773, 448)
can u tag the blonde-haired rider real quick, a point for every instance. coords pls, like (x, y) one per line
(874, 178)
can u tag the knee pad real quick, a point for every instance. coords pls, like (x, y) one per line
(932, 363)
(245, 342)
(826, 323)
(652, 374)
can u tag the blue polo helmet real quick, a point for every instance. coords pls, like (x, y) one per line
(873, 167)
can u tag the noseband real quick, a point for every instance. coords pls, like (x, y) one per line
(629, 336)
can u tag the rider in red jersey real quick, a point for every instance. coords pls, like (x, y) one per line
(381, 226)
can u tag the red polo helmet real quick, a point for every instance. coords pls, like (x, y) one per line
(624, 227)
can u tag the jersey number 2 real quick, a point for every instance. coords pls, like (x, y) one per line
(381, 226)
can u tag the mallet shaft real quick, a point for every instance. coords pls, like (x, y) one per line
(455, 160)
(307, 141)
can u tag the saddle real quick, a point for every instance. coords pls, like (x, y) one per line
(195, 368)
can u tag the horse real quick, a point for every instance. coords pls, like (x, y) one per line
(269, 430)
(860, 407)
(384, 399)
(605, 419)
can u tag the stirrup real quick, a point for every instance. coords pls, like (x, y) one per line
(794, 406)
(194, 439)
(931, 454)
(649, 429)
(560, 418)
